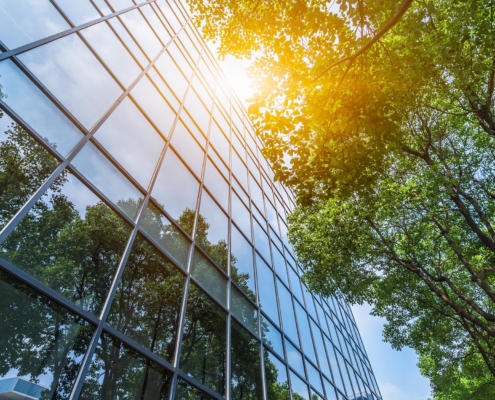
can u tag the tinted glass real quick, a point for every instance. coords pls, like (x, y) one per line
(79, 256)
(176, 190)
(40, 341)
(246, 367)
(244, 310)
(209, 277)
(24, 166)
(277, 383)
(287, 312)
(271, 336)
(185, 391)
(203, 352)
(212, 230)
(266, 290)
(148, 302)
(241, 263)
(73, 74)
(165, 234)
(36, 110)
(117, 372)
(130, 138)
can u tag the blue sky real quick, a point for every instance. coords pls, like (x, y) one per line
(396, 371)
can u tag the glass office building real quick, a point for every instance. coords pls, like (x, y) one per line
(143, 247)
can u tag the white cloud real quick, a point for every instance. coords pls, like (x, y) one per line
(393, 392)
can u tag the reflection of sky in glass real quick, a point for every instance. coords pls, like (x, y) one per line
(298, 386)
(215, 218)
(72, 73)
(33, 106)
(79, 11)
(25, 21)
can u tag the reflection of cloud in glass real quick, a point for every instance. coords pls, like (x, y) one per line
(72, 73)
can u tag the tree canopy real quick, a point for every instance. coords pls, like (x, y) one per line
(380, 116)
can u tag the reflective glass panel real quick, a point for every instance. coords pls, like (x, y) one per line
(277, 384)
(245, 361)
(117, 372)
(188, 148)
(164, 89)
(148, 302)
(41, 343)
(108, 179)
(24, 166)
(288, 319)
(155, 23)
(219, 142)
(165, 234)
(280, 267)
(25, 21)
(310, 305)
(261, 241)
(299, 388)
(217, 185)
(334, 365)
(305, 332)
(294, 358)
(176, 190)
(330, 390)
(212, 231)
(271, 336)
(130, 138)
(244, 310)
(185, 391)
(257, 195)
(142, 32)
(295, 283)
(241, 215)
(128, 40)
(314, 377)
(154, 106)
(73, 74)
(266, 290)
(320, 349)
(111, 50)
(209, 277)
(79, 256)
(242, 263)
(197, 110)
(79, 11)
(171, 74)
(203, 352)
(36, 110)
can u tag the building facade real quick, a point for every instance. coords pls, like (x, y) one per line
(143, 247)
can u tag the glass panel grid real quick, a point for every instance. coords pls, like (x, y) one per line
(121, 180)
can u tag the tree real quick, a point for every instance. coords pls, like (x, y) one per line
(390, 152)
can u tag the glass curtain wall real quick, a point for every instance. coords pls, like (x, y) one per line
(143, 247)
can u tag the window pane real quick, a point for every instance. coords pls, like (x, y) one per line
(287, 312)
(197, 110)
(244, 310)
(276, 378)
(203, 352)
(314, 377)
(25, 21)
(161, 230)
(218, 186)
(310, 305)
(241, 215)
(148, 302)
(239, 170)
(176, 190)
(304, 332)
(334, 365)
(330, 390)
(320, 349)
(142, 32)
(108, 179)
(36, 110)
(79, 256)
(134, 143)
(111, 50)
(219, 142)
(272, 337)
(246, 368)
(295, 284)
(155, 23)
(280, 268)
(154, 106)
(172, 75)
(294, 358)
(24, 166)
(299, 387)
(40, 341)
(241, 263)
(117, 372)
(79, 11)
(209, 277)
(266, 290)
(212, 230)
(184, 143)
(186, 391)
(73, 74)
(128, 40)
(261, 241)
(257, 195)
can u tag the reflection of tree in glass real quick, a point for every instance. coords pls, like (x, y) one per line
(185, 391)
(39, 338)
(117, 372)
(276, 390)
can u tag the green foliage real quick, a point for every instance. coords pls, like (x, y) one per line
(391, 157)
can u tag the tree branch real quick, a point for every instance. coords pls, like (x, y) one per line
(383, 30)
